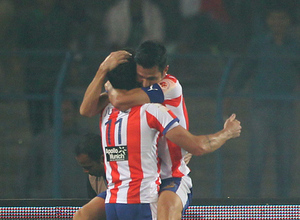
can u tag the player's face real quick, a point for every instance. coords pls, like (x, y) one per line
(148, 77)
(90, 166)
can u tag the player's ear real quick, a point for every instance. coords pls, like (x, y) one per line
(166, 70)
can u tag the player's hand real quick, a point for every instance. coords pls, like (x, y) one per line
(233, 126)
(114, 59)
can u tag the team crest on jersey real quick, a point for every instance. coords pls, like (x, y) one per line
(163, 84)
(116, 153)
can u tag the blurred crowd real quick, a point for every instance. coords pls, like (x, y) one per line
(183, 25)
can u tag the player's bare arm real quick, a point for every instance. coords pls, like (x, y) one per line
(150, 78)
(94, 99)
(125, 99)
(203, 144)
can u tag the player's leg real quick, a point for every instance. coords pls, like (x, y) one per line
(111, 211)
(175, 197)
(93, 210)
(169, 206)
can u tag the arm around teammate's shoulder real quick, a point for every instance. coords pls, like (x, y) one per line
(125, 99)
(203, 144)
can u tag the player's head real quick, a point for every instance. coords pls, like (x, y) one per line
(151, 60)
(124, 75)
(89, 154)
(150, 54)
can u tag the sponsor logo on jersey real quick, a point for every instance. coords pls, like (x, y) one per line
(116, 153)
(151, 88)
(171, 185)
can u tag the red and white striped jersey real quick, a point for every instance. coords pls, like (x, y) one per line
(129, 141)
(173, 164)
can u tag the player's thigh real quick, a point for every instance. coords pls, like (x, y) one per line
(180, 192)
(93, 210)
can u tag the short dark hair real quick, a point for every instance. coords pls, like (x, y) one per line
(150, 54)
(91, 145)
(124, 75)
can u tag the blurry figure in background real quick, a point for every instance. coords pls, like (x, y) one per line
(130, 22)
(202, 27)
(90, 30)
(89, 155)
(200, 37)
(9, 81)
(37, 170)
(45, 27)
(87, 39)
(274, 65)
(171, 15)
(7, 34)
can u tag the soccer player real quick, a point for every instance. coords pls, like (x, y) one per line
(93, 103)
(120, 147)
(161, 87)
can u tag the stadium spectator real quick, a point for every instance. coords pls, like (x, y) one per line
(203, 23)
(43, 28)
(89, 155)
(129, 22)
(274, 67)
(10, 80)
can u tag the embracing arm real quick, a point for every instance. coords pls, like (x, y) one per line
(125, 99)
(94, 101)
(203, 144)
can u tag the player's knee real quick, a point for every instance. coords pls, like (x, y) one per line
(168, 212)
(169, 206)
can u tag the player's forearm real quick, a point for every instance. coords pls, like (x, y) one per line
(212, 142)
(232, 129)
(198, 145)
(123, 99)
(117, 98)
(92, 103)
(205, 144)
